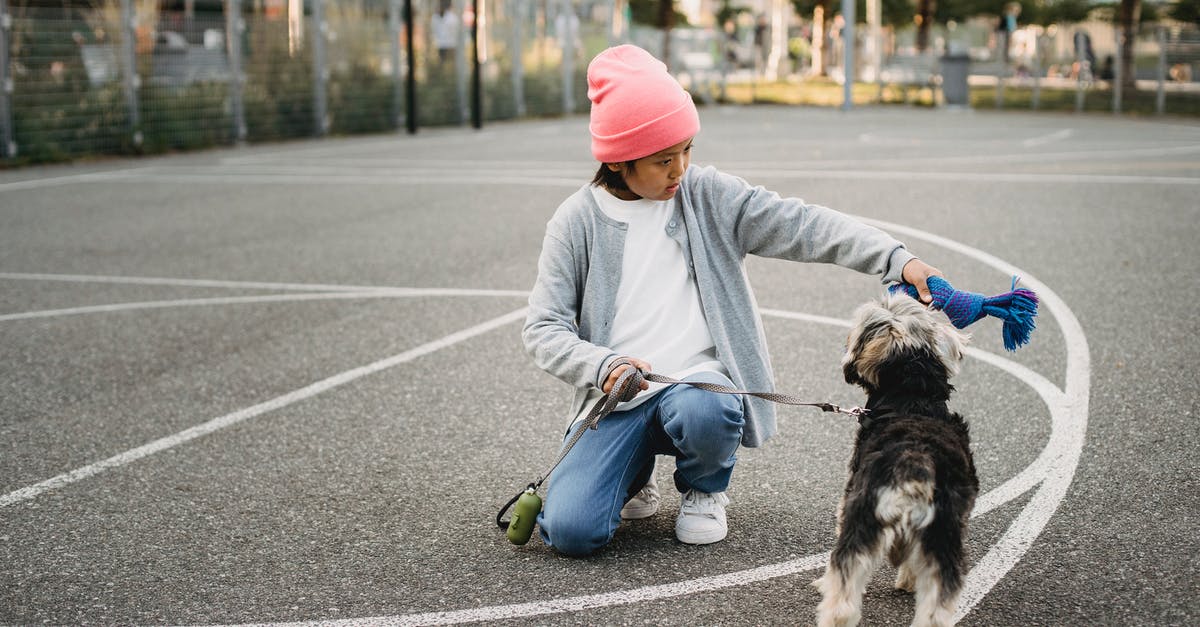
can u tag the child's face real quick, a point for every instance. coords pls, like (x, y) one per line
(656, 177)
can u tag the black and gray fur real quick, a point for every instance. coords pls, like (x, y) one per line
(912, 478)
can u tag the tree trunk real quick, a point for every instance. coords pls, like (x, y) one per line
(818, 39)
(924, 21)
(1128, 17)
(666, 17)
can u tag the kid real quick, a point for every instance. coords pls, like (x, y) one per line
(644, 268)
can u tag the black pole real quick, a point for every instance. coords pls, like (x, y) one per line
(410, 77)
(476, 86)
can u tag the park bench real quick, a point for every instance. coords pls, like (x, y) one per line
(911, 71)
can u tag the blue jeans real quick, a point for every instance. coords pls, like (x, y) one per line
(609, 465)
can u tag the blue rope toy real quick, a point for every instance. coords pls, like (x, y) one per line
(1017, 308)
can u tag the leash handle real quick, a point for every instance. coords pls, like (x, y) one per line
(528, 504)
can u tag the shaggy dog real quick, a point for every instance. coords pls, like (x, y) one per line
(912, 478)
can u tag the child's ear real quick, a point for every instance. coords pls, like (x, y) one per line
(615, 167)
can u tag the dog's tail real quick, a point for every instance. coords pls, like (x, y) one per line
(905, 504)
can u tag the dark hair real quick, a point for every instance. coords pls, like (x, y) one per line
(612, 180)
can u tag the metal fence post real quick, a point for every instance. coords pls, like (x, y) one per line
(1160, 99)
(517, 14)
(567, 27)
(410, 70)
(1079, 63)
(8, 147)
(129, 62)
(460, 61)
(1118, 73)
(235, 26)
(476, 70)
(320, 72)
(397, 80)
(1036, 71)
(1003, 71)
(848, 40)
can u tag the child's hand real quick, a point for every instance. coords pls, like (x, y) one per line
(619, 370)
(916, 273)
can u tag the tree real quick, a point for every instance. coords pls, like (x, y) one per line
(1129, 15)
(1186, 11)
(659, 14)
(819, 10)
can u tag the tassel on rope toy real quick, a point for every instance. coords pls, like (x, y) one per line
(1017, 308)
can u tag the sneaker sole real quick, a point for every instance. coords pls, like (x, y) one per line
(690, 537)
(638, 512)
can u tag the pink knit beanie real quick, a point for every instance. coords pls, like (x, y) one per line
(638, 108)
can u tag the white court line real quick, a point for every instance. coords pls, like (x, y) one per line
(499, 177)
(591, 601)
(977, 177)
(442, 166)
(1067, 440)
(308, 287)
(447, 165)
(986, 502)
(1070, 412)
(216, 424)
(1032, 474)
(1046, 139)
(238, 300)
(69, 179)
(187, 302)
(1059, 458)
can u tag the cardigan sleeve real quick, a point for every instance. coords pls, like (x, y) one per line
(769, 225)
(551, 332)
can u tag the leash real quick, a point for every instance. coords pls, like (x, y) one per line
(528, 503)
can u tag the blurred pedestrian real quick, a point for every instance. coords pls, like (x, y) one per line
(644, 265)
(445, 25)
(1085, 55)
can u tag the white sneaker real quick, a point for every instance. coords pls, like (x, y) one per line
(701, 518)
(644, 504)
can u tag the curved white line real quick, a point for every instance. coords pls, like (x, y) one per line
(1011, 489)
(279, 402)
(592, 601)
(1072, 416)
(1062, 458)
(1058, 461)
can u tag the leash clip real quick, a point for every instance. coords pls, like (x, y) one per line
(857, 412)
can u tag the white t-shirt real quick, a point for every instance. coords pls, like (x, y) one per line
(658, 317)
(445, 30)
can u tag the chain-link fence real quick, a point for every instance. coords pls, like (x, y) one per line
(128, 76)
(124, 76)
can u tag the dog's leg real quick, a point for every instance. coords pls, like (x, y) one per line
(845, 581)
(902, 554)
(937, 587)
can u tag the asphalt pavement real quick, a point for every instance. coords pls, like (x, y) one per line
(284, 383)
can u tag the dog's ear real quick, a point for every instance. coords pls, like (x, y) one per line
(951, 347)
(850, 370)
(868, 342)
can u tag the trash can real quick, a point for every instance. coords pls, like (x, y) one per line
(955, 68)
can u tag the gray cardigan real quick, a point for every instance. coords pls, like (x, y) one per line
(718, 219)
